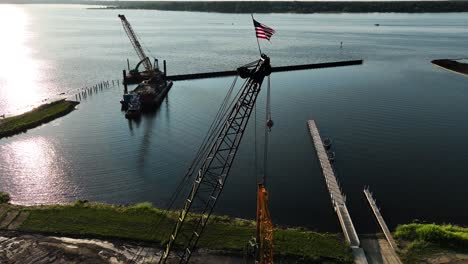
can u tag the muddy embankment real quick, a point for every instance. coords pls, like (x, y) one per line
(18, 247)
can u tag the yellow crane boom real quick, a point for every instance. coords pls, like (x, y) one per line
(264, 228)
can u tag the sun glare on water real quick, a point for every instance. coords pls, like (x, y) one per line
(37, 169)
(19, 72)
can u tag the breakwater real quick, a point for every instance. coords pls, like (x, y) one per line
(203, 75)
(452, 65)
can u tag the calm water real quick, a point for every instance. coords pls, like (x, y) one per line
(398, 123)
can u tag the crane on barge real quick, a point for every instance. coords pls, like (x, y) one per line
(135, 75)
(153, 85)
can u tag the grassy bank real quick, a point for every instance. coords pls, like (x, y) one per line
(36, 117)
(139, 223)
(421, 242)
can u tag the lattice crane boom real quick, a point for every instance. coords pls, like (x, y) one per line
(136, 44)
(214, 170)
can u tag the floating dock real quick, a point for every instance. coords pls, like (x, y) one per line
(334, 189)
(336, 195)
(204, 75)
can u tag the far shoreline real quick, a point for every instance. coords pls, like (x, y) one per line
(291, 7)
(270, 7)
(291, 13)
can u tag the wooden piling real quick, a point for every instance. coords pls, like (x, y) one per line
(125, 83)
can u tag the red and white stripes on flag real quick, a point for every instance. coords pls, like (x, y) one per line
(263, 31)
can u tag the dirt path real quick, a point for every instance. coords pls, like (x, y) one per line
(18, 220)
(447, 258)
(10, 216)
(3, 209)
(39, 249)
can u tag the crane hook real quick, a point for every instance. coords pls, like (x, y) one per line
(269, 124)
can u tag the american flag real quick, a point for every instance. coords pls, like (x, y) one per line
(262, 30)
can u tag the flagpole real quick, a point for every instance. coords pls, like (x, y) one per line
(258, 43)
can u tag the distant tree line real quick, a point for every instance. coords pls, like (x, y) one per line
(276, 6)
(299, 7)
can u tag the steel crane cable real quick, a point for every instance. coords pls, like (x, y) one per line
(204, 147)
(253, 81)
(184, 180)
(144, 46)
(216, 126)
(210, 133)
(213, 128)
(255, 144)
(130, 48)
(268, 125)
(218, 121)
(263, 233)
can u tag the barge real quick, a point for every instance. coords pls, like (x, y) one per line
(149, 93)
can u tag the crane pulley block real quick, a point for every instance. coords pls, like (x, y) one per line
(252, 71)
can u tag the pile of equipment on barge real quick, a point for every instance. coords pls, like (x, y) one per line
(146, 96)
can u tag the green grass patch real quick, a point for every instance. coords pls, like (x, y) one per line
(444, 235)
(143, 222)
(421, 241)
(36, 117)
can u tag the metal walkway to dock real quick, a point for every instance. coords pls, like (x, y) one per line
(337, 197)
(388, 235)
(379, 218)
